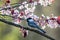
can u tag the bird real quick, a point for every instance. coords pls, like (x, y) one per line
(33, 24)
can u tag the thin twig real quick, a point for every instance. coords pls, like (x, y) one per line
(18, 4)
(11, 16)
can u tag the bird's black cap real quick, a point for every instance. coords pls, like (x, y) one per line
(28, 19)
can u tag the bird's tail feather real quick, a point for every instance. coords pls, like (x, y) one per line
(41, 30)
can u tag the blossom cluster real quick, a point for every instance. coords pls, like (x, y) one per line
(27, 11)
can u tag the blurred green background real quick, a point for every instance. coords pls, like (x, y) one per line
(8, 32)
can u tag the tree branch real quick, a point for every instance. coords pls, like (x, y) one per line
(33, 30)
